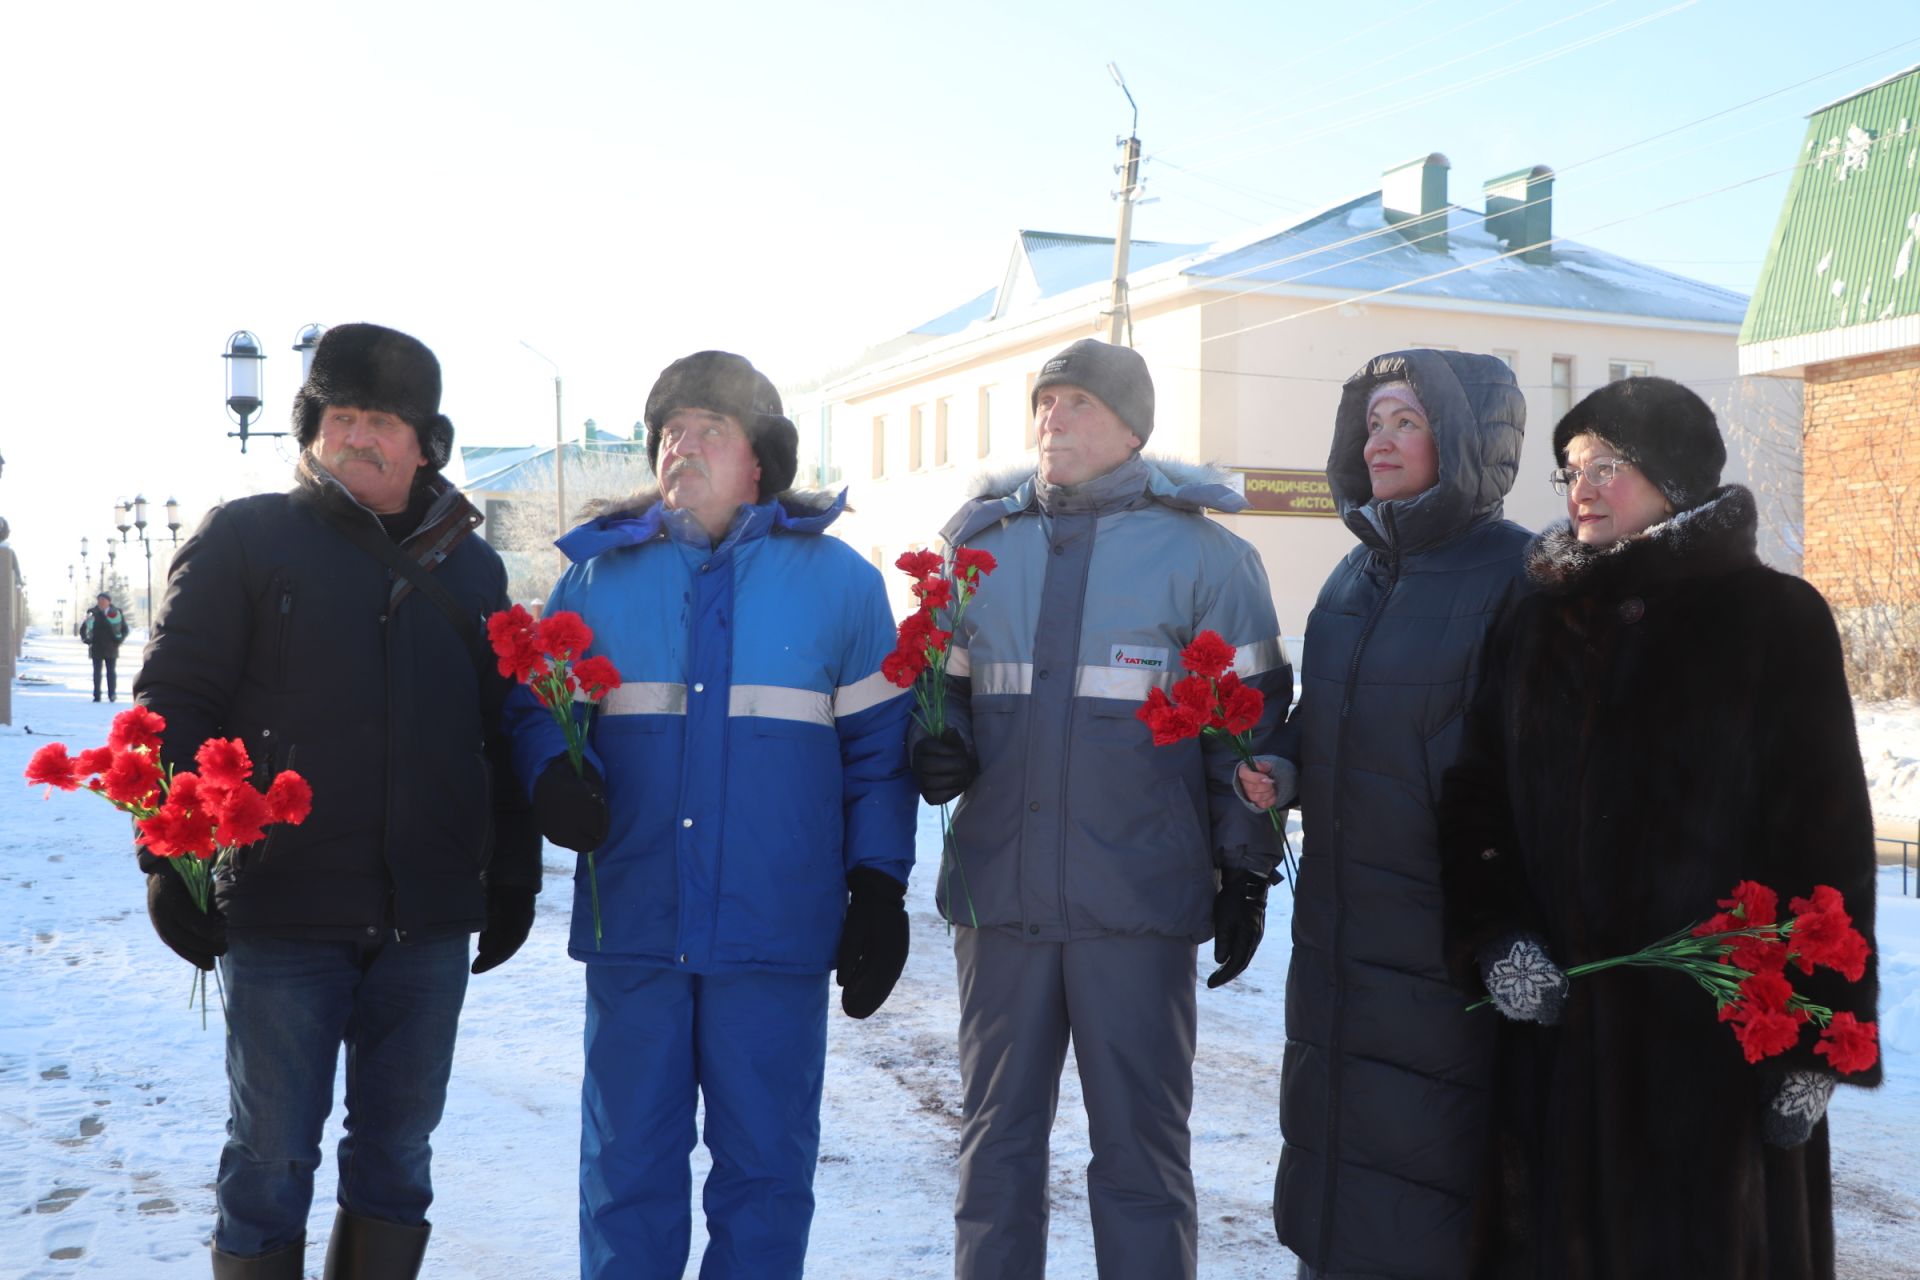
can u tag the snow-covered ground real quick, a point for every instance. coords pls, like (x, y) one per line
(113, 1100)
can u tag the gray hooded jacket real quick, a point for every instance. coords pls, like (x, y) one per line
(1077, 825)
(1383, 1092)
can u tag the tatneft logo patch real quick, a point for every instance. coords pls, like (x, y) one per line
(1131, 655)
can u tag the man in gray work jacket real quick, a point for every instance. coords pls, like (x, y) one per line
(1087, 863)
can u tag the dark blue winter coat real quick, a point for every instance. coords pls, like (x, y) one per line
(753, 753)
(1383, 1101)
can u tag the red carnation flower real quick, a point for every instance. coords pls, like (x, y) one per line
(918, 564)
(223, 762)
(240, 814)
(564, 635)
(132, 780)
(1848, 1044)
(597, 675)
(934, 592)
(515, 639)
(1240, 704)
(182, 827)
(1169, 721)
(1757, 955)
(290, 798)
(50, 767)
(902, 667)
(1764, 1033)
(1823, 933)
(93, 760)
(1208, 655)
(1751, 904)
(1195, 693)
(973, 565)
(135, 729)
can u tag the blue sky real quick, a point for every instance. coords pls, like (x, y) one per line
(619, 184)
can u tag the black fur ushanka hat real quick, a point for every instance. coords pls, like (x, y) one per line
(369, 366)
(1658, 425)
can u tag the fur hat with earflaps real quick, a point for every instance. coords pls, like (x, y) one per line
(369, 366)
(1658, 425)
(721, 382)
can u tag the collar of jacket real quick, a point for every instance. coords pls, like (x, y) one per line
(1168, 482)
(642, 518)
(1477, 415)
(1717, 536)
(450, 517)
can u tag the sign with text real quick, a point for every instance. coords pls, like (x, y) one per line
(1287, 493)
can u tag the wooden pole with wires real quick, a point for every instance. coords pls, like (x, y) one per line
(1119, 317)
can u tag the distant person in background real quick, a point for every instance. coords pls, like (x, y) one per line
(103, 630)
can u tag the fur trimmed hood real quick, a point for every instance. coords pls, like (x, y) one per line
(1718, 536)
(1173, 482)
(641, 518)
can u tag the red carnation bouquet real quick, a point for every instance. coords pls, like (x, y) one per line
(198, 819)
(1212, 700)
(545, 655)
(1742, 957)
(919, 658)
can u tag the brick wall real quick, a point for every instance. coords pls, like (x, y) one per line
(1862, 496)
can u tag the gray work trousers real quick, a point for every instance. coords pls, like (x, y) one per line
(1128, 1004)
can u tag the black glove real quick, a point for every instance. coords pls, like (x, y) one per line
(194, 935)
(943, 766)
(1524, 982)
(509, 917)
(1239, 922)
(1796, 1107)
(570, 807)
(873, 942)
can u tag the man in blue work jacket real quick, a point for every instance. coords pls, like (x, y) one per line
(747, 796)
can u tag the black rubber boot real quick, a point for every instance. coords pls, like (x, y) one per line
(288, 1263)
(363, 1248)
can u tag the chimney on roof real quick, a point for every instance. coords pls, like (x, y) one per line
(1520, 211)
(1413, 196)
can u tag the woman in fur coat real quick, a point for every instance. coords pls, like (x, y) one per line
(1662, 717)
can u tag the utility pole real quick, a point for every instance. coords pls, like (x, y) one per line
(559, 455)
(1119, 313)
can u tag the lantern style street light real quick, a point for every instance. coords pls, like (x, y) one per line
(136, 513)
(305, 343)
(244, 359)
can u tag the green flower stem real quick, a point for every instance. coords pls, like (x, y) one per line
(551, 689)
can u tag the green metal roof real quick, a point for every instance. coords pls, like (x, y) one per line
(1847, 249)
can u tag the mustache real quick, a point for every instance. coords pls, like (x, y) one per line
(350, 454)
(694, 465)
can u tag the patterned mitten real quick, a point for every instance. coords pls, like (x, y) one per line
(1524, 982)
(1796, 1108)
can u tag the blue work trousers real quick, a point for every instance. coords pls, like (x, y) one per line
(754, 1048)
(291, 1003)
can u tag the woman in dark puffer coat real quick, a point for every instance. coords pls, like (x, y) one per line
(1662, 717)
(1383, 1097)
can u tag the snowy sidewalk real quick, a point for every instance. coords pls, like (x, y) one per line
(113, 1100)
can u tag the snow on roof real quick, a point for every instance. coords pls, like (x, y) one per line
(1352, 246)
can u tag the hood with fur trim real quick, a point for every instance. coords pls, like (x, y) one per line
(636, 519)
(1173, 482)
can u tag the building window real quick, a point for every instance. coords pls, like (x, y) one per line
(1562, 386)
(986, 421)
(1618, 369)
(1033, 431)
(1511, 359)
(879, 447)
(916, 445)
(942, 410)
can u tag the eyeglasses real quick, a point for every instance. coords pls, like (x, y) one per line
(1600, 473)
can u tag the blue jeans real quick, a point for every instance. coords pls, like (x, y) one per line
(754, 1047)
(291, 1003)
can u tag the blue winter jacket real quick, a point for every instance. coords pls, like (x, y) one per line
(753, 753)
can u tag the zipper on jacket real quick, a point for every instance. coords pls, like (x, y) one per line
(1330, 1200)
(286, 628)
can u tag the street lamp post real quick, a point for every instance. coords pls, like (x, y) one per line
(244, 358)
(305, 343)
(85, 575)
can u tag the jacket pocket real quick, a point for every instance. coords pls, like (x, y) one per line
(280, 600)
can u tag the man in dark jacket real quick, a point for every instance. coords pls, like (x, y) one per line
(104, 629)
(335, 630)
(1087, 862)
